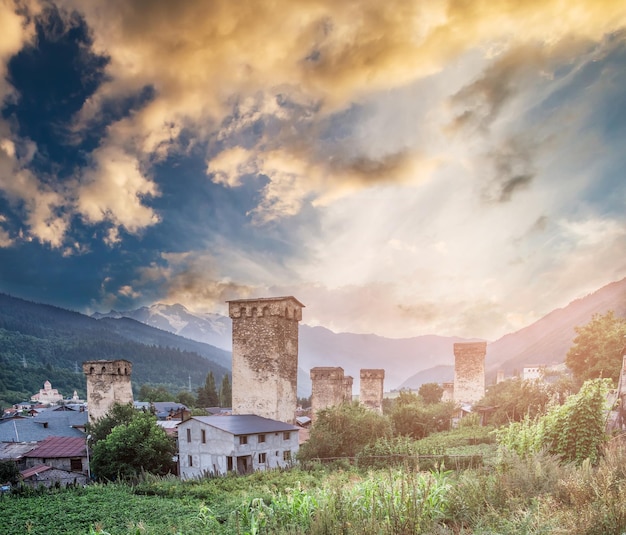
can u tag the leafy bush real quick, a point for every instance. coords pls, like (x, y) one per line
(132, 448)
(343, 431)
(413, 417)
(573, 431)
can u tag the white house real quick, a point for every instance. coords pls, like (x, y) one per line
(241, 442)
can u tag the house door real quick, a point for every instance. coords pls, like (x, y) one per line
(244, 464)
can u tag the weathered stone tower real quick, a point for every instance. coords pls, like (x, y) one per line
(371, 391)
(108, 382)
(265, 356)
(469, 371)
(348, 381)
(328, 388)
(448, 392)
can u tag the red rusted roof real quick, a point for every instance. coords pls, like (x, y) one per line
(37, 469)
(55, 447)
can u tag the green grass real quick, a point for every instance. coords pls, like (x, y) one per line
(535, 494)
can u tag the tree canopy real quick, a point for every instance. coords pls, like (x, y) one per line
(118, 414)
(430, 393)
(132, 448)
(598, 348)
(411, 416)
(226, 392)
(207, 394)
(343, 431)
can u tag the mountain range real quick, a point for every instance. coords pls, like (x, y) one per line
(408, 362)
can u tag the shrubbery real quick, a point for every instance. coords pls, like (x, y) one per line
(574, 431)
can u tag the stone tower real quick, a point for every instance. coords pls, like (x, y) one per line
(108, 382)
(469, 371)
(265, 356)
(328, 388)
(371, 392)
(347, 385)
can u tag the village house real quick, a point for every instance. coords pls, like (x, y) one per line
(242, 443)
(62, 460)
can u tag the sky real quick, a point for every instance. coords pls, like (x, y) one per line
(402, 168)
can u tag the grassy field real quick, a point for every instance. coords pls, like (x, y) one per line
(531, 495)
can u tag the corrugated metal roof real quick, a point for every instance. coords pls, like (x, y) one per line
(244, 424)
(55, 447)
(34, 470)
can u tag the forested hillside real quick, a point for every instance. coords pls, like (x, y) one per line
(42, 342)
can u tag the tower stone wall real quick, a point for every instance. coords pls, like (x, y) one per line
(371, 390)
(108, 382)
(328, 388)
(348, 381)
(265, 356)
(469, 371)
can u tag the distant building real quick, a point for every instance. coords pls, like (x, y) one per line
(371, 389)
(328, 388)
(242, 443)
(47, 395)
(533, 373)
(469, 371)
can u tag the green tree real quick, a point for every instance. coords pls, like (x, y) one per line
(343, 431)
(118, 414)
(514, 399)
(412, 417)
(154, 393)
(598, 348)
(430, 393)
(207, 394)
(132, 448)
(226, 392)
(9, 472)
(186, 398)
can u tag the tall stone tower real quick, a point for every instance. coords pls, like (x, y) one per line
(371, 391)
(328, 388)
(108, 382)
(469, 371)
(265, 356)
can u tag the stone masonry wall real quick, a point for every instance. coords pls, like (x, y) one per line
(469, 371)
(371, 392)
(108, 382)
(328, 388)
(265, 356)
(348, 381)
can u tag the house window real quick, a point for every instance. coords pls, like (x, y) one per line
(286, 435)
(262, 458)
(243, 439)
(76, 465)
(190, 460)
(188, 435)
(261, 438)
(203, 436)
(287, 455)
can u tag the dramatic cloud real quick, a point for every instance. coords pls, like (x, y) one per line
(449, 167)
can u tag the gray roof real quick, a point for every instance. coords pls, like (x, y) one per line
(13, 451)
(245, 424)
(48, 423)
